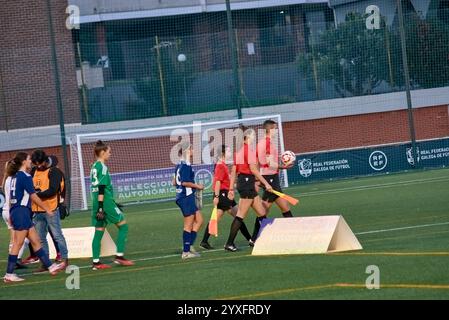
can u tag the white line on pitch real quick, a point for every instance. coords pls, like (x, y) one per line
(172, 255)
(368, 187)
(333, 191)
(141, 259)
(216, 250)
(404, 228)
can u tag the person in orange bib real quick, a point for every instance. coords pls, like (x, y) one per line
(49, 183)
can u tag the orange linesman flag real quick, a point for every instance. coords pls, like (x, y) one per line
(213, 223)
(290, 199)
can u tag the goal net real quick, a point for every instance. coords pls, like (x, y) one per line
(142, 160)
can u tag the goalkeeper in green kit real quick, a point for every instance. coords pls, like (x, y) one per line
(104, 209)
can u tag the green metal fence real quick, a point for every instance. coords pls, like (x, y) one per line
(167, 66)
(290, 62)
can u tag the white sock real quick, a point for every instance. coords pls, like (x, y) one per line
(119, 254)
(24, 246)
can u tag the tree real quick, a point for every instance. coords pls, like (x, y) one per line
(351, 56)
(428, 52)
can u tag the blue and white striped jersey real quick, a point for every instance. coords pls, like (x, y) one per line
(20, 189)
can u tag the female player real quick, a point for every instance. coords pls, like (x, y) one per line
(21, 193)
(105, 210)
(220, 185)
(185, 199)
(245, 169)
(6, 216)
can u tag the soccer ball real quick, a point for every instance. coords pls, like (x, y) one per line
(288, 157)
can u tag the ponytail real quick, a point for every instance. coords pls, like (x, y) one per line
(7, 172)
(219, 152)
(15, 164)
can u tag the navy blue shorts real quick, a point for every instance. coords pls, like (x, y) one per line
(187, 205)
(21, 218)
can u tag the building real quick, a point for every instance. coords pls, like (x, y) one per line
(114, 47)
(27, 82)
(388, 8)
(150, 63)
(141, 43)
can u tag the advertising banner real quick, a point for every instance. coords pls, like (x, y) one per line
(153, 185)
(368, 161)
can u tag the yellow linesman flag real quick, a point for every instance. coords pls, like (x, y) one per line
(290, 199)
(213, 223)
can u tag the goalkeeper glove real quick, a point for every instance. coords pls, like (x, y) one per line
(100, 212)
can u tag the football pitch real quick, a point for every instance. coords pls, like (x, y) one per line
(401, 220)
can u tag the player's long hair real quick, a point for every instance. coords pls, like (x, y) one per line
(6, 173)
(245, 133)
(13, 166)
(183, 147)
(219, 153)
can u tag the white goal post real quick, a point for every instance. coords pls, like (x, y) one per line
(140, 164)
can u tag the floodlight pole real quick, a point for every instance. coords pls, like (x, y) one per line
(411, 122)
(232, 48)
(59, 100)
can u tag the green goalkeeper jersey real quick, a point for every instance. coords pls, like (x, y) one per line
(99, 175)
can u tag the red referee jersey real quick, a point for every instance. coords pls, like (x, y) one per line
(243, 158)
(221, 173)
(266, 149)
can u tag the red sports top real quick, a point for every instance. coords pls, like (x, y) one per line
(221, 174)
(265, 149)
(243, 158)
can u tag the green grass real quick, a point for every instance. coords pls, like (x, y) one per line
(413, 262)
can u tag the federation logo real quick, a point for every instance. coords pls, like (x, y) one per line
(410, 157)
(305, 167)
(204, 177)
(378, 160)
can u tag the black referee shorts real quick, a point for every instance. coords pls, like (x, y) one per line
(273, 180)
(246, 186)
(224, 203)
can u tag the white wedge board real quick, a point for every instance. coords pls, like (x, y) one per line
(306, 235)
(79, 243)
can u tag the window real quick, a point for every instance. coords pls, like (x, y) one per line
(275, 27)
(316, 23)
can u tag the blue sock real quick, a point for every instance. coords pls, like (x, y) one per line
(11, 264)
(43, 257)
(193, 237)
(186, 238)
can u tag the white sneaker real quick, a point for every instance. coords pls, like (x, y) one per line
(12, 277)
(196, 253)
(189, 255)
(55, 268)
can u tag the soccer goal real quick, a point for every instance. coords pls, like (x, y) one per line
(141, 164)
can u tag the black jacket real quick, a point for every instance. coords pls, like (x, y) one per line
(55, 175)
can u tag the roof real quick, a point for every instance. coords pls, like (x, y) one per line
(334, 3)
